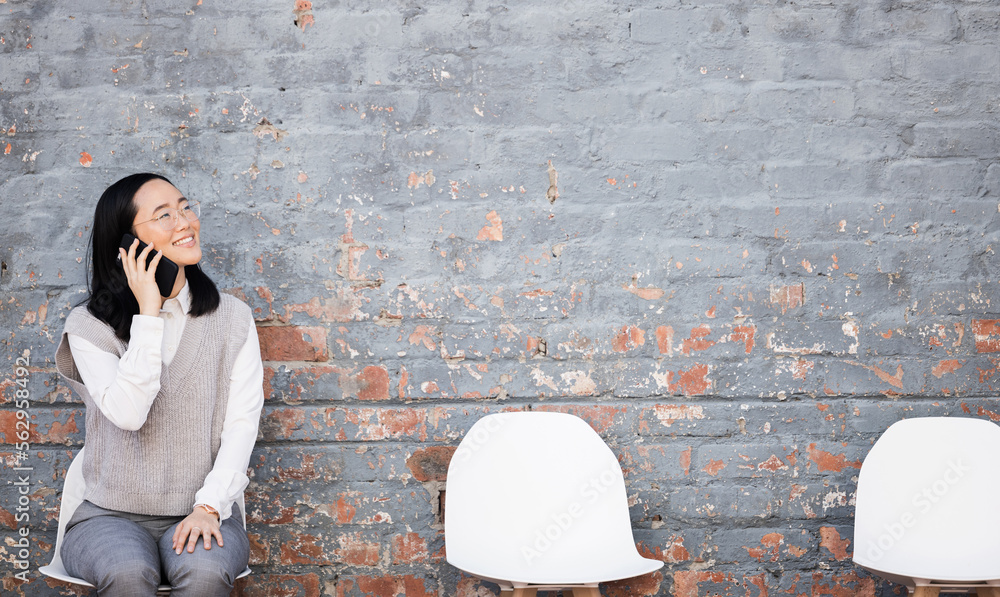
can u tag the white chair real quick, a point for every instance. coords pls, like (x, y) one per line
(536, 501)
(927, 509)
(72, 496)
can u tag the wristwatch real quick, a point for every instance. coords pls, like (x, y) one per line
(208, 509)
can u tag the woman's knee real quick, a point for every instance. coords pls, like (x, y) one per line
(113, 556)
(202, 576)
(131, 576)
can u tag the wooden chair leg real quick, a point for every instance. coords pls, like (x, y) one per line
(584, 592)
(525, 592)
(926, 592)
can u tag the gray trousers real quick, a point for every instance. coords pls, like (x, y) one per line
(130, 554)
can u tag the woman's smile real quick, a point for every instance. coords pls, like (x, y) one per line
(157, 201)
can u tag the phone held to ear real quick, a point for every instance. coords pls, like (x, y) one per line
(166, 270)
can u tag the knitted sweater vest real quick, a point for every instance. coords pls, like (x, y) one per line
(158, 468)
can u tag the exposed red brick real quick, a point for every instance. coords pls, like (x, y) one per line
(692, 382)
(345, 510)
(260, 551)
(403, 422)
(59, 432)
(987, 334)
(293, 343)
(788, 297)
(404, 379)
(628, 338)
(639, 586)
(830, 462)
(259, 313)
(303, 14)
(895, 381)
(277, 585)
(373, 382)
(7, 388)
(350, 261)
(306, 472)
(422, 334)
(386, 586)
(745, 334)
(834, 543)
(686, 581)
(9, 430)
(536, 293)
(268, 376)
(665, 339)
(843, 585)
(382, 423)
(354, 551)
(265, 508)
(697, 340)
(801, 367)
(600, 417)
(770, 544)
(302, 549)
(759, 581)
(472, 587)
(281, 423)
(7, 520)
(672, 553)
(946, 366)
(493, 230)
(343, 306)
(410, 548)
(993, 416)
(772, 464)
(430, 464)
(670, 413)
(685, 461)
(647, 294)
(713, 467)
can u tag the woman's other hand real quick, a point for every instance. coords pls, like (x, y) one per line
(199, 524)
(142, 280)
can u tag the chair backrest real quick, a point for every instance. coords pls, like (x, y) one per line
(928, 501)
(538, 497)
(72, 496)
(74, 488)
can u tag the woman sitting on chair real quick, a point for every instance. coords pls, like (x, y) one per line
(173, 389)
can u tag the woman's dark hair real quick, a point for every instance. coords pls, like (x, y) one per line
(111, 300)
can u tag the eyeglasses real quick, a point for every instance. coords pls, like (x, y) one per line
(170, 216)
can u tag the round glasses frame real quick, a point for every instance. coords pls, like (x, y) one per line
(170, 216)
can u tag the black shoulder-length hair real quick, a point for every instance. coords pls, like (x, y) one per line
(111, 300)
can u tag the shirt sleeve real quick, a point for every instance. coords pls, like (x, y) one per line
(123, 388)
(227, 479)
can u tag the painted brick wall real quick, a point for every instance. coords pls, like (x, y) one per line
(738, 238)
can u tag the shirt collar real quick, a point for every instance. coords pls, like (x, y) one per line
(182, 300)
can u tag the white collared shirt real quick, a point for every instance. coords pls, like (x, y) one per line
(124, 390)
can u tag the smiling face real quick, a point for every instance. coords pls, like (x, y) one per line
(180, 243)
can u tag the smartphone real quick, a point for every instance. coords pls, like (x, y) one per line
(166, 270)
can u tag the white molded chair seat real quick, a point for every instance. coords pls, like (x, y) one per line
(72, 496)
(537, 500)
(927, 509)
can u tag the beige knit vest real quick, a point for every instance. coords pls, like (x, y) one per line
(158, 469)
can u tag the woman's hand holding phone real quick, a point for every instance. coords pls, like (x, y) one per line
(141, 279)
